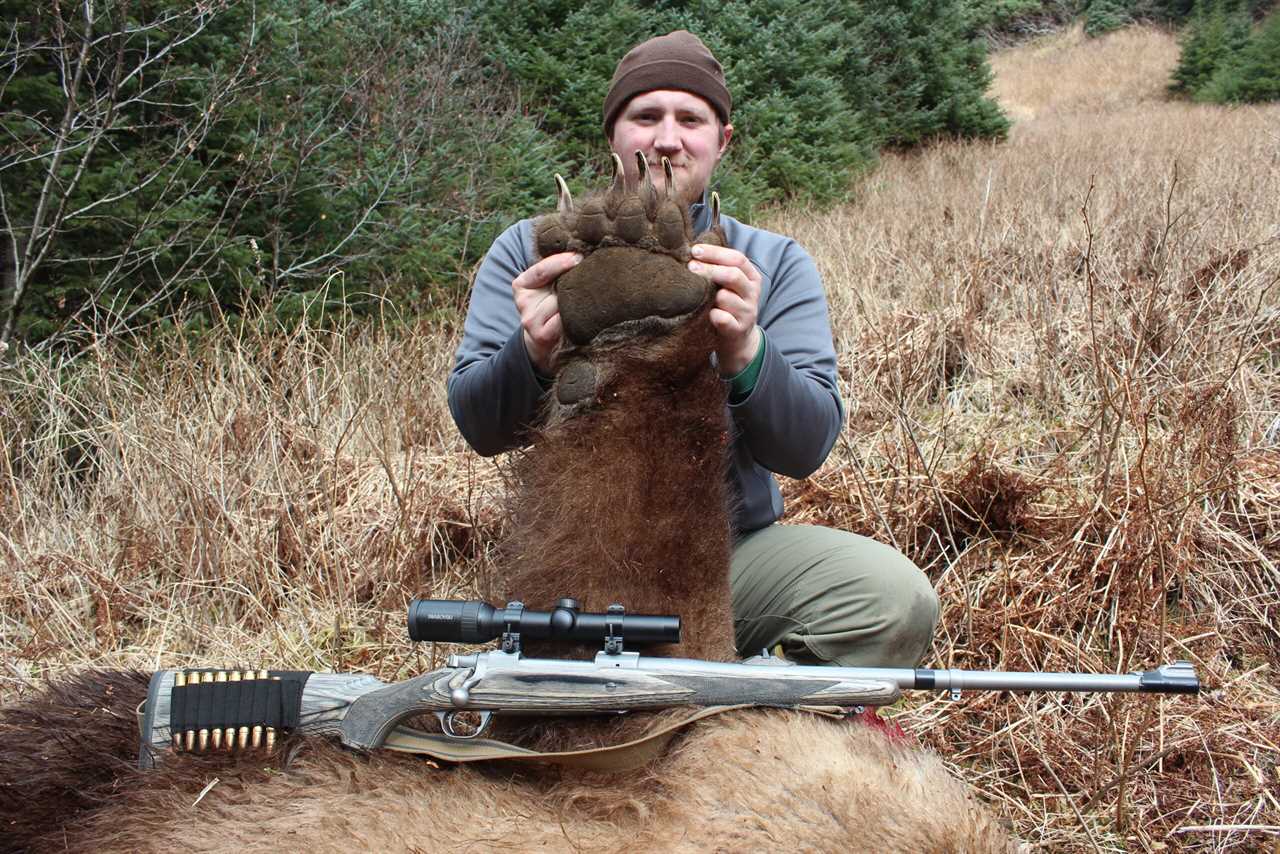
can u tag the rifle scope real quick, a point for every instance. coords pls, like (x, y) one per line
(452, 621)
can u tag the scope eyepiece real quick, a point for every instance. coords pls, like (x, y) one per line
(454, 621)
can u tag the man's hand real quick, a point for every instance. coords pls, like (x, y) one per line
(539, 310)
(737, 304)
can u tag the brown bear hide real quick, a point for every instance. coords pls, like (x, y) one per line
(746, 781)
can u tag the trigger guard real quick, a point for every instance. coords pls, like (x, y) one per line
(446, 724)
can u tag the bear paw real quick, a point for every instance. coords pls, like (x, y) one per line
(635, 246)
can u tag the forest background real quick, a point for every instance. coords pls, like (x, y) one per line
(167, 164)
(1052, 272)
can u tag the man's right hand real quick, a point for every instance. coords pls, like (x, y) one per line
(539, 310)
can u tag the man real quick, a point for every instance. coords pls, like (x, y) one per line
(823, 595)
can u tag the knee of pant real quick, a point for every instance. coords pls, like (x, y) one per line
(904, 611)
(904, 595)
(913, 601)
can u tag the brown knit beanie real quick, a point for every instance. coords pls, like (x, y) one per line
(678, 60)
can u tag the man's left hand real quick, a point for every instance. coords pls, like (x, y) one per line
(737, 304)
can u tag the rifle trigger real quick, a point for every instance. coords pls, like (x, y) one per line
(448, 719)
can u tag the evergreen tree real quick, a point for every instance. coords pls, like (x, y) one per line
(996, 15)
(818, 87)
(1218, 29)
(104, 189)
(1103, 16)
(1252, 74)
(199, 157)
(1173, 10)
(187, 157)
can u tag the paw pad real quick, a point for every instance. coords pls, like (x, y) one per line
(635, 244)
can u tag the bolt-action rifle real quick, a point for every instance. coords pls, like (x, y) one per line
(208, 710)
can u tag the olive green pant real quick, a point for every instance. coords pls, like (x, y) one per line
(829, 596)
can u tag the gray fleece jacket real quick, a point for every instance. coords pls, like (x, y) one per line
(787, 424)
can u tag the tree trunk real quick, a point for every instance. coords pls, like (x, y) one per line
(10, 289)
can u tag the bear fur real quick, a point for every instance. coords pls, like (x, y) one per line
(621, 498)
(743, 781)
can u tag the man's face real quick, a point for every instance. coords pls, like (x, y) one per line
(679, 126)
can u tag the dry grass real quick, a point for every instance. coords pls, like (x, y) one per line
(1062, 354)
(254, 499)
(1060, 416)
(1071, 74)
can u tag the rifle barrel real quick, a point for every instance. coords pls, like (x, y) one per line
(1177, 678)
